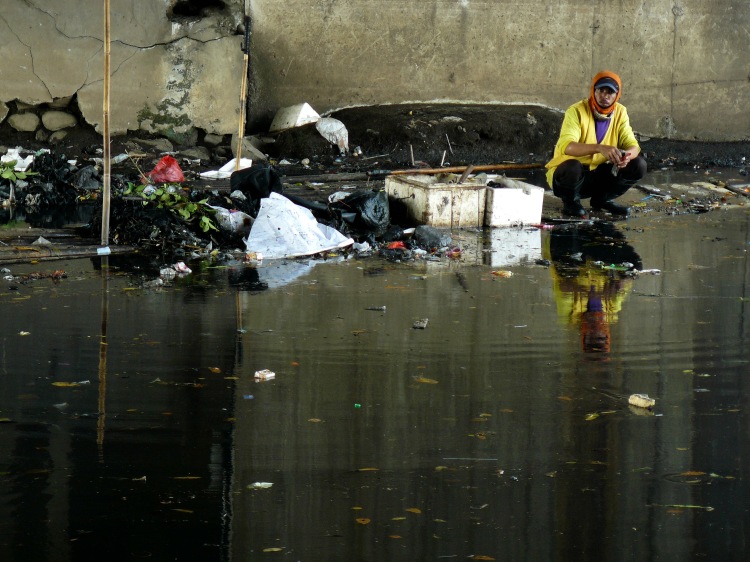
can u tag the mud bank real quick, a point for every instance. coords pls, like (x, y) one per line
(455, 134)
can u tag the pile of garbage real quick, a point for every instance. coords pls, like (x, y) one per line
(162, 212)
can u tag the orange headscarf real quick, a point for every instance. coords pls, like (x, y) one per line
(592, 98)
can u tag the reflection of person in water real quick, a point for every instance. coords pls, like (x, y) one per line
(589, 262)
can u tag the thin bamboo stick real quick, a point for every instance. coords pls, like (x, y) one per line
(106, 190)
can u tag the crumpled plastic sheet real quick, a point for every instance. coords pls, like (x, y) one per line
(334, 131)
(285, 230)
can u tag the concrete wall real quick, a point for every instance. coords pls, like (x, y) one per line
(170, 72)
(683, 62)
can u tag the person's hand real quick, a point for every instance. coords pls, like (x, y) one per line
(620, 158)
(612, 154)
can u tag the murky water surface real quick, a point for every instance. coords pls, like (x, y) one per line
(133, 427)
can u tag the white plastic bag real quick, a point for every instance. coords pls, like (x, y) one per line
(334, 131)
(285, 230)
(226, 170)
(235, 221)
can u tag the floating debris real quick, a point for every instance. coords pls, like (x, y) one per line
(264, 375)
(420, 324)
(641, 401)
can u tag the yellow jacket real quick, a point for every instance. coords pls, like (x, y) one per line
(579, 126)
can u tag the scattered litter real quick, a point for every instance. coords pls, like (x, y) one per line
(264, 375)
(641, 401)
(293, 116)
(503, 273)
(334, 131)
(259, 485)
(233, 221)
(14, 155)
(180, 267)
(167, 170)
(420, 324)
(285, 230)
(376, 308)
(41, 241)
(226, 170)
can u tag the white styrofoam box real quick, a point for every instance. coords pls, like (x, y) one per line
(428, 201)
(293, 116)
(514, 246)
(515, 203)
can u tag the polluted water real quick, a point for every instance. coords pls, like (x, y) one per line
(362, 409)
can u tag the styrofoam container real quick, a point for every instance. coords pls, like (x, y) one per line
(516, 203)
(428, 201)
(514, 246)
(293, 116)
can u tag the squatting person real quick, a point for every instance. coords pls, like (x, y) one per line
(597, 155)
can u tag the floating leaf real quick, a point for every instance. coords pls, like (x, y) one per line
(368, 469)
(425, 380)
(183, 510)
(413, 510)
(65, 384)
(357, 508)
(395, 537)
(480, 557)
(363, 520)
(593, 416)
(692, 473)
(186, 477)
(398, 519)
(215, 369)
(315, 420)
(273, 549)
(259, 485)
(22, 333)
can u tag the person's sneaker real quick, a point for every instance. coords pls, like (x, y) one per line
(611, 207)
(574, 209)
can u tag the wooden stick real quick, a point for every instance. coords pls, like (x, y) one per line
(461, 169)
(243, 90)
(107, 164)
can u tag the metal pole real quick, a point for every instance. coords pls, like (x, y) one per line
(105, 126)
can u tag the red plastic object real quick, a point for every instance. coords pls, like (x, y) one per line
(167, 170)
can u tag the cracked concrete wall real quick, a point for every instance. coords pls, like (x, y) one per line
(684, 62)
(166, 74)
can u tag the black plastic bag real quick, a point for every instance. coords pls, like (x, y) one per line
(365, 212)
(256, 183)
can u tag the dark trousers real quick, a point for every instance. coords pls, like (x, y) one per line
(572, 181)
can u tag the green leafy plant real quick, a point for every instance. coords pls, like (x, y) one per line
(170, 197)
(8, 172)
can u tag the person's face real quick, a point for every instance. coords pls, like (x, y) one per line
(605, 96)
